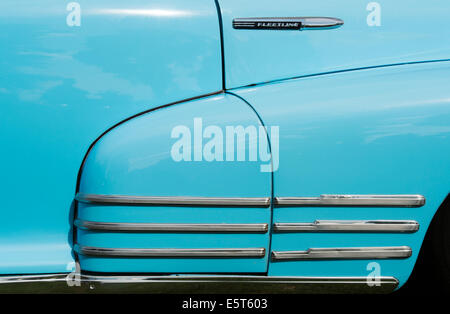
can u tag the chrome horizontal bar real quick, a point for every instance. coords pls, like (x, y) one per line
(169, 253)
(353, 200)
(84, 283)
(168, 227)
(323, 200)
(173, 200)
(404, 226)
(344, 253)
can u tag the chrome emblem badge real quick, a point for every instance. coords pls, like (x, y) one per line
(286, 23)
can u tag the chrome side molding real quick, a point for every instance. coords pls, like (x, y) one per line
(353, 200)
(397, 226)
(173, 200)
(171, 253)
(344, 253)
(323, 200)
(237, 284)
(169, 227)
(287, 23)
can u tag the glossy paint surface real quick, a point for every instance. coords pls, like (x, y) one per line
(408, 31)
(135, 159)
(377, 131)
(61, 87)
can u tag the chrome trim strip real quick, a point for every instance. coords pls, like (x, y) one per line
(169, 227)
(176, 253)
(287, 23)
(344, 253)
(323, 200)
(173, 200)
(353, 200)
(403, 226)
(57, 283)
(32, 278)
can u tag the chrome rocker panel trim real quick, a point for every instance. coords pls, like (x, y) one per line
(169, 227)
(344, 253)
(353, 200)
(173, 200)
(171, 253)
(85, 283)
(388, 226)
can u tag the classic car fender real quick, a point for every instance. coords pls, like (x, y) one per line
(382, 131)
(143, 207)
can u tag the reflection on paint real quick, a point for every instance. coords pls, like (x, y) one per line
(142, 12)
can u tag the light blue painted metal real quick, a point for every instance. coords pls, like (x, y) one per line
(377, 131)
(62, 86)
(408, 31)
(135, 159)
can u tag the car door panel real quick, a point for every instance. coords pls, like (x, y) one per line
(373, 34)
(62, 85)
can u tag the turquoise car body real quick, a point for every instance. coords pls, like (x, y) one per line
(89, 109)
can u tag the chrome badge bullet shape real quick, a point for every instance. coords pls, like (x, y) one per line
(287, 23)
